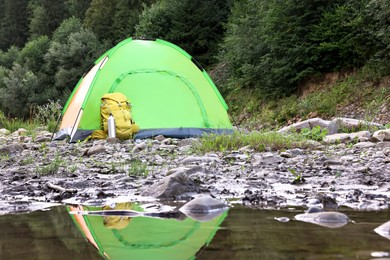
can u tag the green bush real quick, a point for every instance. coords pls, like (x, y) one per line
(316, 133)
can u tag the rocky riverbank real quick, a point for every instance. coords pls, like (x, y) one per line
(350, 170)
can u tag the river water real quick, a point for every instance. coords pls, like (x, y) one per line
(239, 233)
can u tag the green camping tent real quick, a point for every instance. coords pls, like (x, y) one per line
(170, 93)
(147, 238)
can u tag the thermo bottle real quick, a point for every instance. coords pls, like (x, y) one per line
(111, 126)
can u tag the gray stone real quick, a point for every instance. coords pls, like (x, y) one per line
(10, 149)
(360, 135)
(204, 208)
(186, 170)
(112, 140)
(96, 149)
(296, 151)
(193, 159)
(382, 145)
(172, 186)
(364, 139)
(139, 147)
(364, 145)
(19, 132)
(167, 141)
(337, 138)
(187, 142)
(286, 155)
(237, 156)
(160, 138)
(42, 138)
(266, 158)
(350, 123)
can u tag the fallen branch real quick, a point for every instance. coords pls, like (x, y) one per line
(59, 188)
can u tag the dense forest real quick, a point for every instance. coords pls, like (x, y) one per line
(269, 46)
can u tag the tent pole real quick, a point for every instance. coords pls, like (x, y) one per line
(74, 125)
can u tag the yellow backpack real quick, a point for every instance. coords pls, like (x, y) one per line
(119, 107)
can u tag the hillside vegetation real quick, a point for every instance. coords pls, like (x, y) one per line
(275, 62)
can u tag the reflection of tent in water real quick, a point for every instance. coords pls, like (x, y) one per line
(148, 238)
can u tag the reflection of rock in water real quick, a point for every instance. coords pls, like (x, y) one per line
(330, 219)
(384, 230)
(204, 208)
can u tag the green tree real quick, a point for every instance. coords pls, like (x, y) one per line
(32, 54)
(378, 20)
(341, 38)
(71, 52)
(13, 23)
(99, 19)
(78, 8)
(267, 44)
(8, 58)
(32, 58)
(46, 16)
(196, 26)
(126, 17)
(3, 73)
(21, 85)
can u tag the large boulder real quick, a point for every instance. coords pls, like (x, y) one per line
(310, 123)
(176, 184)
(337, 125)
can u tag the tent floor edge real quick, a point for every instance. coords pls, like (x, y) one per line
(180, 133)
(81, 135)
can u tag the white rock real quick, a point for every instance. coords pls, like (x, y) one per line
(310, 123)
(382, 135)
(359, 135)
(139, 147)
(337, 138)
(364, 145)
(4, 131)
(350, 123)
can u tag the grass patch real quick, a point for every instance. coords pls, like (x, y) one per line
(13, 124)
(51, 168)
(258, 141)
(331, 99)
(138, 168)
(45, 115)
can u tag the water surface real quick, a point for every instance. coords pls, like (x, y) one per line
(240, 234)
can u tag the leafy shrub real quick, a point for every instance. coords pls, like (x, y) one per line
(316, 133)
(48, 114)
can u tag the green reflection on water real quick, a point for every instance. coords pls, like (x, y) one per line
(244, 234)
(121, 237)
